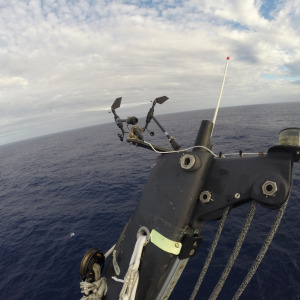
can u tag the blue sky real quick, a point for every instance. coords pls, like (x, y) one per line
(64, 62)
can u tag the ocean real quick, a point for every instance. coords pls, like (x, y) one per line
(64, 193)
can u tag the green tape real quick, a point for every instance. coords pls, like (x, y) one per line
(164, 243)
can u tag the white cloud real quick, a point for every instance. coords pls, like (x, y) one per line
(13, 81)
(63, 59)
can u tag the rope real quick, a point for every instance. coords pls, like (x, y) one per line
(98, 289)
(131, 279)
(262, 251)
(234, 253)
(210, 255)
(115, 263)
(108, 253)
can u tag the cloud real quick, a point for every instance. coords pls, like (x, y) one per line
(62, 60)
(13, 81)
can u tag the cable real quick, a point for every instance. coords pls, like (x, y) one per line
(189, 148)
(210, 254)
(181, 150)
(262, 251)
(235, 252)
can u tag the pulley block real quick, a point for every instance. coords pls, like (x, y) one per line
(93, 256)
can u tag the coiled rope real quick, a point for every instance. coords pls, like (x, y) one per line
(98, 289)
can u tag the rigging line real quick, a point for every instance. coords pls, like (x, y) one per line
(108, 253)
(210, 254)
(235, 252)
(262, 251)
(221, 92)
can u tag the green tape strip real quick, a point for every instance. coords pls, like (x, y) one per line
(164, 243)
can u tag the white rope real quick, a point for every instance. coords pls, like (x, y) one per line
(234, 253)
(262, 251)
(115, 263)
(131, 279)
(117, 279)
(210, 255)
(108, 253)
(98, 289)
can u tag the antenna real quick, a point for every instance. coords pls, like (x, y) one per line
(221, 92)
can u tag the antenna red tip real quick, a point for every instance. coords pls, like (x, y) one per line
(228, 58)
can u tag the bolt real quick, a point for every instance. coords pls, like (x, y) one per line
(269, 188)
(237, 195)
(177, 245)
(192, 252)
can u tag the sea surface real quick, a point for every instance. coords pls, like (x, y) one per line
(62, 194)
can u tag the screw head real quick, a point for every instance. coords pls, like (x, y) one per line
(192, 252)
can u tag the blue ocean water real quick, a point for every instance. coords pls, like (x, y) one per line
(62, 194)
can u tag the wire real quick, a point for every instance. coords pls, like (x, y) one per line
(181, 150)
(193, 147)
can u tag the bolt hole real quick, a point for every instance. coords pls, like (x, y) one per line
(143, 231)
(269, 188)
(187, 161)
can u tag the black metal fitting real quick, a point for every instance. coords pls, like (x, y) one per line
(190, 245)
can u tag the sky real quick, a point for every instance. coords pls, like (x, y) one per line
(64, 62)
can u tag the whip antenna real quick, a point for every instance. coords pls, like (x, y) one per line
(221, 92)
